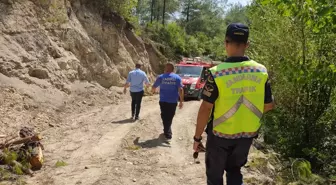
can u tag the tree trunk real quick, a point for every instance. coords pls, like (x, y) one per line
(188, 10)
(138, 9)
(164, 12)
(306, 90)
(157, 11)
(152, 10)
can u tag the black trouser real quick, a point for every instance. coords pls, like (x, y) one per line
(226, 155)
(167, 115)
(136, 102)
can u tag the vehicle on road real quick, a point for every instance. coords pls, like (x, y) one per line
(193, 72)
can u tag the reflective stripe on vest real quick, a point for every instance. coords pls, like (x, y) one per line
(234, 109)
(236, 136)
(239, 70)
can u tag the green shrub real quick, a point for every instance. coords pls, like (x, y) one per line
(300, 61)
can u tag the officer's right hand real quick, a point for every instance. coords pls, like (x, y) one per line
(195, 147)
(181, 105)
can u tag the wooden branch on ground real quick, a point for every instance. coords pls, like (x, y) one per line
(10, 138)
(21, 141)
(3, 136)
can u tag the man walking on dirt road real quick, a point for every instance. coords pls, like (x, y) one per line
(235, 97)
(135, 81)
(171, 89)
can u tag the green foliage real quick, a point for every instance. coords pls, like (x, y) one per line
(318, 15)
(9, 156)
(199, 31)
(17, 169)
(178, 43)
(203, 16)
(299, 51)
(145, 13)
(175, 36)
(125, 8)
(5, 174)
(60, 164)
(237, 13)
(301, 171)
(17, 163)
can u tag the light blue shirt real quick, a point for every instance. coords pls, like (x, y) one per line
(137, 78)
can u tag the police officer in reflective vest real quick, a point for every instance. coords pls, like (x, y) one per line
(235, 97)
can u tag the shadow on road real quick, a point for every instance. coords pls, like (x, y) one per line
(151, 143)
(124, 121)
(190, 99)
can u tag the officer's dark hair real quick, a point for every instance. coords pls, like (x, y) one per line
(137, 66)
(235, 41)
(171, 66)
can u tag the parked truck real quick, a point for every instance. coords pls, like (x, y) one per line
(193, 72)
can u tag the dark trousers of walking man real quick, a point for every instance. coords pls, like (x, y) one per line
(167, 114)
(136, 103)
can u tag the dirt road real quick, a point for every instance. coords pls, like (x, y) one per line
(103, 146)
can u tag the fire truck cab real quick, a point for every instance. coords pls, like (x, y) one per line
(194, 73)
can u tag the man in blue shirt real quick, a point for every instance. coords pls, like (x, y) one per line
(135, 81)
(171, 89)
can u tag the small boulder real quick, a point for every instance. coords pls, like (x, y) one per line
(38, 73)
(63, 65)
(54, 52)
(26, 107)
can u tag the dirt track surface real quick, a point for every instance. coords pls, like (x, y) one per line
(102, 146)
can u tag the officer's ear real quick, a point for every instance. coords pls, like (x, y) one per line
(247, 45)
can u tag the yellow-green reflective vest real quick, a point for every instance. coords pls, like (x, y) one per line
(240, 104)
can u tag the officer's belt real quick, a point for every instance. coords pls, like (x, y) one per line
(234, 109)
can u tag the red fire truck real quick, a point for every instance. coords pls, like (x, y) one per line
(193, 72)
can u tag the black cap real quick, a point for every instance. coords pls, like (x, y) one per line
(237, 32)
